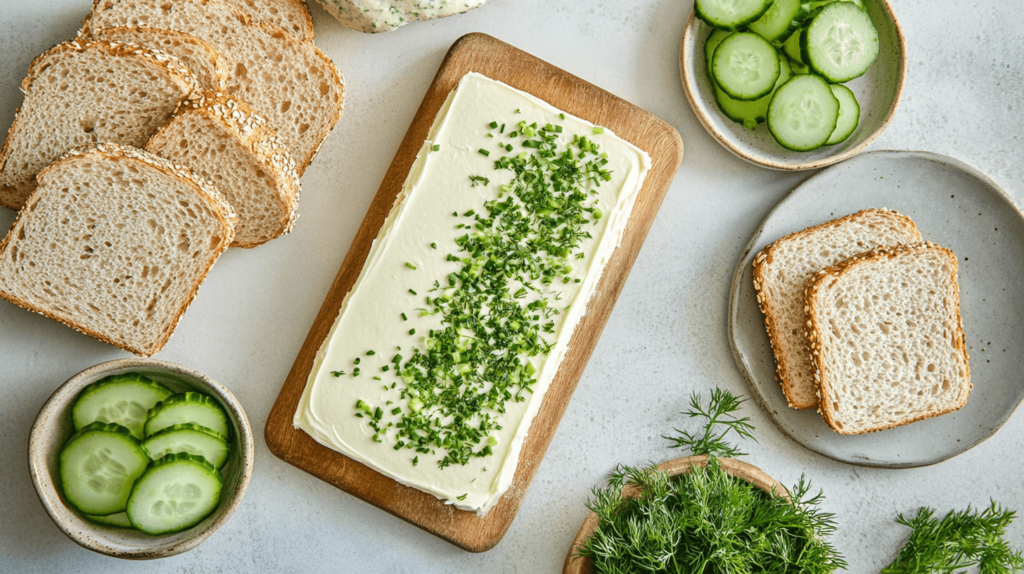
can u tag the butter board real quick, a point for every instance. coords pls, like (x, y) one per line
(497, 60)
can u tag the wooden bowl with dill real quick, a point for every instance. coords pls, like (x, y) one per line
(707, 512)
(577, 564)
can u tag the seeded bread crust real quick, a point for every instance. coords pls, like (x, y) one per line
(782, 367)
(214, 77)
(114, 152)
(174, 68)
(254, 134)
(822, 376)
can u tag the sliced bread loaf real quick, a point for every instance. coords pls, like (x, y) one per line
(115, 243)
(287, 81)
(196, 53)
(886, 338)
(781, 273)
(80, 92)
(292, 16)
(221, 140)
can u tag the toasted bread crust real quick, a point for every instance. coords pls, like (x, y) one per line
(172, 66)
(252, 130)
(204, 190)
(822, 376)
(782, 368)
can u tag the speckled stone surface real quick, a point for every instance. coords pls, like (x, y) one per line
(666, 338)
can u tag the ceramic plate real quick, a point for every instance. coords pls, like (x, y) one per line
(953, 205)
(878, 92)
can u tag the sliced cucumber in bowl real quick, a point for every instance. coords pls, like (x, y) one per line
(175, 493)
(98, 467)
(849, 114)
(122, 399)
(119, 520)
(840, 43)
(191, 439)
(803, 113)
(745, 66)
(730, 14)
(194, 408)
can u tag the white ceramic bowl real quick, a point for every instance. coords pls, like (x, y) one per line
(53, 427)
(878, 93)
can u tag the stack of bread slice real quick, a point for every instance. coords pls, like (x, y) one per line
(229, 100)
(864, 321)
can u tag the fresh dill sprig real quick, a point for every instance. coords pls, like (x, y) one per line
(709, 522)
(958, 540)
(721, 411)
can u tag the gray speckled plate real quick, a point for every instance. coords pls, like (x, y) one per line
(953, 205)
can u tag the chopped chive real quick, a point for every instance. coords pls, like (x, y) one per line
(433, 246)
(377, 379)
(437, 147)
(371, 353)
(357, 360)
(410, 265)
(412, 331)
(413, 292)
(513, 134)
(385, 368)
(396, 410)
(598, 130)
(517, 111)
(502, 130)
(493, 125)
(415, 460)
(404, 317)
(561, 116)
(483, 151)
(463, 497)
(338, 373)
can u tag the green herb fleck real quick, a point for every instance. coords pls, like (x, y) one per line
(410, 265)
(338, 373)
(463, 497)
(479, 180)
(483, 151)
(598, 130)
(437, 147)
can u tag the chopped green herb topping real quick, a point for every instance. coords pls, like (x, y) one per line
(437, 147)
(463, 497)
(458, 381)
(338, 373)
(598, 130)
(410, 265)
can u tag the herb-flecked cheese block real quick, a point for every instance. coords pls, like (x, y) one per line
(385, 15)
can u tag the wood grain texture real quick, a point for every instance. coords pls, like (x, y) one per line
(575, 564)
(499, 61)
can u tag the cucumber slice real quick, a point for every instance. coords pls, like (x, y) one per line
(791, 48)
(751, 113)
(195, 408)
(803, 113)
(798, 68)
(191, 439)
(98, 467)
(840, 43)
(779, 21)
(815, 4)
(730, 14)
(745, 66)
(121, 399)
(849, 114)
(120, 520)
(175, 493)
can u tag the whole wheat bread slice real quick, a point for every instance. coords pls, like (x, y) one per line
(292, 16)
(221, 140)
(781, 273)
(287, 81)
(197, 54)
(886, 338)
(115, 243)
(81, 92)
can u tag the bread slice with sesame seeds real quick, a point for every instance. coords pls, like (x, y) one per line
(221, 140)
(781, 272)
(292, 16)
(81, 92)
(286, 80)
(115, 243)
(886, 337)
(197, 54)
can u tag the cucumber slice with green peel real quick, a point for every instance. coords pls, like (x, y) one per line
(121, 399)
(195, 408)
(745, 66)
(98, 467)
(840, 43)
(778, 22)
(815, 4)
(849, 114)
(174, 494)
(803, 113)
(119, 520)
(730, 14)
(190, 439)
(751, 113)
(791, 48)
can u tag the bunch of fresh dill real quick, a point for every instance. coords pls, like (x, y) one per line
(705, 521)
(958, 540)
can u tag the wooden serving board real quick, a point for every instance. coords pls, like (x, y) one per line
(497, 60)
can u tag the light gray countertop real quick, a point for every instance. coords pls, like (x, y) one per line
(666, 338)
